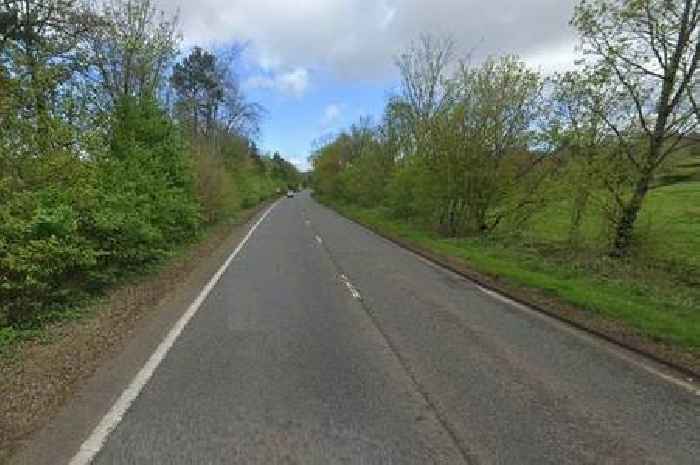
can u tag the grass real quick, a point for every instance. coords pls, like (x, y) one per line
(656, 292)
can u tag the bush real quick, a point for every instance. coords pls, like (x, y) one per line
(216, 192)
(106, 217)
(43, 258)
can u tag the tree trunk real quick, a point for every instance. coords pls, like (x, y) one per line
(630, 213)
(42, 112)
(578, 212)
(195, 116)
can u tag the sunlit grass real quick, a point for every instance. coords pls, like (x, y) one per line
(656, 292)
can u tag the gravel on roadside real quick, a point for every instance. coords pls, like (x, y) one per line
(41, 375)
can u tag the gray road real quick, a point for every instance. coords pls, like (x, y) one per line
(284, 365)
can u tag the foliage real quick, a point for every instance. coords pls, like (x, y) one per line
(97, 180)
(646, 53)
(460, 152)
(131, 47)
(648, 298)
(105, 218)
(480, 149)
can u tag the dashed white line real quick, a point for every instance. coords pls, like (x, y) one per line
(353, 290)
(319, 240)
(94, 443)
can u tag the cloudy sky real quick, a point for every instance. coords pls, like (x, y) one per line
(318, 65)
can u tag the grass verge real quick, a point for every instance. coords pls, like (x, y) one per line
(628, 300)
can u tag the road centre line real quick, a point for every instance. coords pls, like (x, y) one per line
(353, 290)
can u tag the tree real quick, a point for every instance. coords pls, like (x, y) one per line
(42, 51)
(493, 163)
(426, 87)
(237, 114)
(593, 159)
(648, 52)
(424, 81)
(198, 86)
(132, 47)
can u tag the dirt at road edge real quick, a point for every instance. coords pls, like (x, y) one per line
(42, 375)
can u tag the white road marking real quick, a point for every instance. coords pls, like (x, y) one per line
(353, 290)
(689, 386)
(94, 443)
(307, 223)
(319, 240)
(621, 353)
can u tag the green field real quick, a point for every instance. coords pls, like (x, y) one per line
(656, 291)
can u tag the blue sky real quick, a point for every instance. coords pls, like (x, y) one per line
(319, 65)
(294, 121)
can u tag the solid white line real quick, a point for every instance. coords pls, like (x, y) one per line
(689, 386)
(619, 352)
(94, 443)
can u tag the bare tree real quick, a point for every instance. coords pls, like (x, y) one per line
(237, 113)
(648, 50)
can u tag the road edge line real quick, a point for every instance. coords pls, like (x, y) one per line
(98, 437)
(683, 377)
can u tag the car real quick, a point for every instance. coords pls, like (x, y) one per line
(290, 194)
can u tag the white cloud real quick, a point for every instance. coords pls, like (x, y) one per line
(331, 116)
(301, 162)
(292, 83)
(551, 59)
(389, 15)
(357, 39)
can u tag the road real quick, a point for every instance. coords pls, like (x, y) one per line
(325, 344)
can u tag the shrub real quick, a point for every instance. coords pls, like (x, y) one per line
(105, 216)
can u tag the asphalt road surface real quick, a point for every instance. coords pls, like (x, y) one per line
(325, 344)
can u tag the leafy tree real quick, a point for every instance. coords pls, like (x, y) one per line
(594, 167)
(96, 178)
(198, 85)
(648, 52)
(42, 52)
(485, 156)
(132, 47)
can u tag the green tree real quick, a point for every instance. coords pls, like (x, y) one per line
(132, 46)
(199, 88)
(42, 52)
(648, 52)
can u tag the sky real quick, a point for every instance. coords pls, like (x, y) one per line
(319, 65)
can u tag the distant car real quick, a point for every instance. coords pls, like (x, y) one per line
(290, 194)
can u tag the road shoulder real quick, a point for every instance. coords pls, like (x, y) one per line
(682, 363)
(59, 388)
